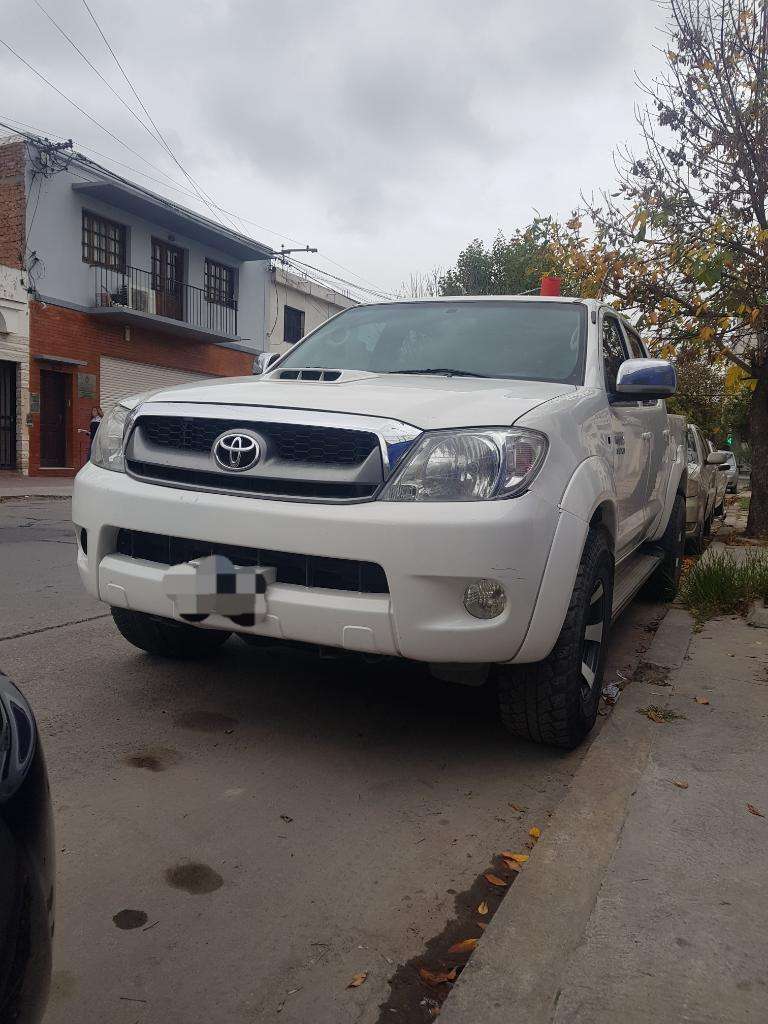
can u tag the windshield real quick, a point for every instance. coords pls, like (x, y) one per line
(521, 340)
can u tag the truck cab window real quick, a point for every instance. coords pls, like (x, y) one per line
(614, 352)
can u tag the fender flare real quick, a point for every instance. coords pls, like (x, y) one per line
(590, 489)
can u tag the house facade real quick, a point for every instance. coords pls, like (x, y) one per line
(107, 289)
(297, 305)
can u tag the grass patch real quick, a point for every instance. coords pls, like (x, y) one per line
(721, 585)
(744, 504)
(659, 714)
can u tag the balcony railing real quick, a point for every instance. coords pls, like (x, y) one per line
(144, 292)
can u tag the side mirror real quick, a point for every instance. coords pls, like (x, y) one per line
(646, 379)
(717, 459)
(263, 361)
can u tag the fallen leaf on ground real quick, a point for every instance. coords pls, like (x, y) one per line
(511, 865)
(753, 810)
(465, 946)
(435, 978)
(518, 808)
(534, 832)
(286, 818)
(481, 924)
(701, 700)
(521, 858)
(358, 980)
(680, 783)
(483, 908)
(495, 880)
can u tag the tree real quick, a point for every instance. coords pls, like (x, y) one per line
(514, 265)
(685, 236)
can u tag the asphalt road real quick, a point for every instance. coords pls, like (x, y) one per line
(277, 822)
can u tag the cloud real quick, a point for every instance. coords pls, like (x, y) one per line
(388, 134)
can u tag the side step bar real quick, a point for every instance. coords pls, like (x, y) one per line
(630, 576)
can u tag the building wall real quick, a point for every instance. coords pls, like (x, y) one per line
(316, 301)
(71, 334)
(54, 225)
(12, 203)
(14, 348)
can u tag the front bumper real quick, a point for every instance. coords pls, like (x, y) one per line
(429, 552)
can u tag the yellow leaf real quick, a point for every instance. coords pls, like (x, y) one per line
(483, 908)
(706, 333)
(358, 980)
(495, 880)
(465, 946)
(521, 858)
(435, 978)
(534, 832)
(512, 865)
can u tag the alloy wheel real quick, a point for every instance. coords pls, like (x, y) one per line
(592, 641)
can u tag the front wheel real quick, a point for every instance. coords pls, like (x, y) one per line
(166, 637)
(555, 701)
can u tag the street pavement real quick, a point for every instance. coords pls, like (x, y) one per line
(645, 899)
(238, 838)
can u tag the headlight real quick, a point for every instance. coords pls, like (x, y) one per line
(468, 465)
(107, 448)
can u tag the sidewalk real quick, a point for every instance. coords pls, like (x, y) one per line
(645, 900)
(14, 485)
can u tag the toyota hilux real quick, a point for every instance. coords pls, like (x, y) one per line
(480, 484)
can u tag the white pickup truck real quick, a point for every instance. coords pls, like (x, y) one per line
(481, 484)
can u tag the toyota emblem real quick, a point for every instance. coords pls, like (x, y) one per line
(236, 451)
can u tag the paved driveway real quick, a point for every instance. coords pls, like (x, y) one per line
(276, 823)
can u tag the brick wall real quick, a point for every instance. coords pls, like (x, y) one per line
(57, 331)
(12, 203)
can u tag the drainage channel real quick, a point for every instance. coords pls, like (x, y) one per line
(419, 987)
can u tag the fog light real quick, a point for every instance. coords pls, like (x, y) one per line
(485, 599)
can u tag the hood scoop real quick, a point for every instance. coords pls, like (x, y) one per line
(322, 376)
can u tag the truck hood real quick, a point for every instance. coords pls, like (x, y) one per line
(425, 402)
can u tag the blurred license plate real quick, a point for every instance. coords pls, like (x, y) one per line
(215, 586)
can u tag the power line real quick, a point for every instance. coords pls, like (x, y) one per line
(93, 67)
(335, 277)
(301, 267)
(114, 92)
(77, 107)
(203, 195)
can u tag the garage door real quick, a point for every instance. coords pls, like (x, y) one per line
(121, 377)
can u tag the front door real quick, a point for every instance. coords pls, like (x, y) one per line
(629, 445)
(53, 418)
(168, 279)
(7, 415)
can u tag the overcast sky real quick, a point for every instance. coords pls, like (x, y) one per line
(386, 133)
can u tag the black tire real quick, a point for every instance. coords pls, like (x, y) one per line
(167, 638)
(554, 701)
(665, 580)
(695, 544)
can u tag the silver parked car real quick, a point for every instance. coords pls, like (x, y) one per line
(731, 473)
(701, 491)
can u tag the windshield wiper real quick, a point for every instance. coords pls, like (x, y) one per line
(445, 371)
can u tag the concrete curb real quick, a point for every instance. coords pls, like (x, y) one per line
(517, 970)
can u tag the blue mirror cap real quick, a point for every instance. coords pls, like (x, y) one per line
(650, 377)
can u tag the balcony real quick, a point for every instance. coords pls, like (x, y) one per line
(133, 296)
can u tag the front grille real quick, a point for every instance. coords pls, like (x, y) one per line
(289, 442)
(254, 485)
(302, 570)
